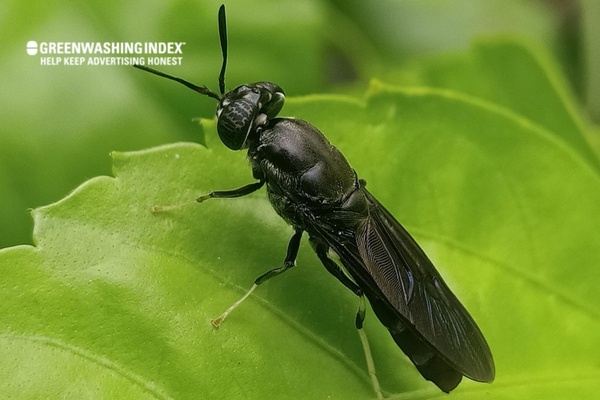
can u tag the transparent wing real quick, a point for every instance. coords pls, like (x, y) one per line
(411, 299)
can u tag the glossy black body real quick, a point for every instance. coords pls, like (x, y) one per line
(312, 186)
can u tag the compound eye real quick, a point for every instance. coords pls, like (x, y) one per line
(272, 98)
(272, 107)
(235, 122)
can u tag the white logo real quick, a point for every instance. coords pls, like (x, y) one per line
(107, 53)
(32, 47)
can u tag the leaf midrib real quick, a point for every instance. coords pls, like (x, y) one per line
(101, 361)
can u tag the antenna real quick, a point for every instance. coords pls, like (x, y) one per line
(223, 37)
(200, 89)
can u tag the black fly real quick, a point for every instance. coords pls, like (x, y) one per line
(311, 186)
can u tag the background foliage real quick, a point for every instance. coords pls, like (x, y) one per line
(477, 145)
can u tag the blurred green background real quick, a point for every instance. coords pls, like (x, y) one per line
(59, 123)
(508, 135)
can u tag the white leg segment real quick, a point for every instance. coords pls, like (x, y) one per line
(368, 355)
(217, 322)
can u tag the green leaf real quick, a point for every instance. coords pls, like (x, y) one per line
(126, 296)
(115, 301)
(593, 136)
(511, 74)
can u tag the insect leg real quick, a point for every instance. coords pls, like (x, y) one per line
(230, 194)
(334, 269)
(290, 261)
(360, 317)
(219, 194)
(331, 266)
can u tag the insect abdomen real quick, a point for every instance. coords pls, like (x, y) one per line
(431, 366)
